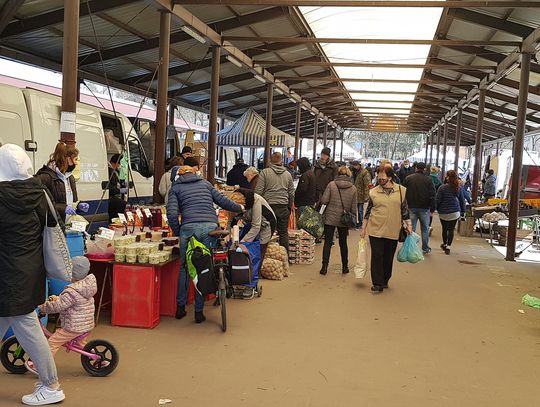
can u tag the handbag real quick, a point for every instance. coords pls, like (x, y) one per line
(347, 218)
(403, 231)
(56, 256)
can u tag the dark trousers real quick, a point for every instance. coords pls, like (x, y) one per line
(282, 213)
(329, 240)
(448, 227)
(382, 259)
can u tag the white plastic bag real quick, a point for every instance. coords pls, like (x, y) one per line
(362, 262)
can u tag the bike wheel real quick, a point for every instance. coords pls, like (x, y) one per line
(107, 363)
(12, 356)
(223, 299)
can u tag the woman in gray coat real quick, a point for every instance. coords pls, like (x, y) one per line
(339, 196)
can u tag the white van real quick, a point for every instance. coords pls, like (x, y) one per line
(31, 119)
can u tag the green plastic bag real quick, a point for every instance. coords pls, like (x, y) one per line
(531, 301)
(192, 244)
(410, 252)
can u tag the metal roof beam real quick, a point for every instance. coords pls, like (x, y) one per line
(317, 40)
(179, 36)
(474, 17)
(453, 67)
(369, 3)
(366, 80)
(206, 63)
(57, 17)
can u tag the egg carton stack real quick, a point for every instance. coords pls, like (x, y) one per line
(301, 247)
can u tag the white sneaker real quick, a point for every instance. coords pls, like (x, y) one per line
(43, 395)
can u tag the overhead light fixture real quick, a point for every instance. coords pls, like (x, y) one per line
(193, 34)
(312, 113)
(293, 100)
(234, 61)
(260, 78)
(279, 91)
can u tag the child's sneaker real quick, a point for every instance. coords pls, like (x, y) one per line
(31, 367)
(43, 395)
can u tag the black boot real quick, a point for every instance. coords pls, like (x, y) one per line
(180, 311)
(345, 269)
(324, 269)
(199, 317)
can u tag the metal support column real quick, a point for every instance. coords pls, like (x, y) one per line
(162, 100)
(269, 106)
(70, 83)
(439, 131)
(518, 156)
(341, 152)
(325, 134)
(297, 153)
(457, 144)
(478, 145)
(334, 148)
(427, 147)
(431, 150)
(445, 146)
(172, 111)
(315, 135)
(213, 123)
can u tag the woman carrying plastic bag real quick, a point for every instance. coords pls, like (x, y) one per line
(410, 252)
(362, 259)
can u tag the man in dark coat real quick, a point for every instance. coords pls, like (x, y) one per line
(117, 204)
(325, 172)
(305, 194)
(236, 175)
(405, 171)
(23, 210)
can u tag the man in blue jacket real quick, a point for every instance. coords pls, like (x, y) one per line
(193, 198)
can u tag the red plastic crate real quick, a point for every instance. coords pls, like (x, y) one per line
(169, 288)
(136, 296)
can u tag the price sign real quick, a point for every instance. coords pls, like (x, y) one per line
(165, 221)
(147, 213)
(122, 218)
(130, 216)
(139, 213)
(106, 233)
(78, 226)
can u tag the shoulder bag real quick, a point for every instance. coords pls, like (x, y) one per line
(55, 250)
(347, 218)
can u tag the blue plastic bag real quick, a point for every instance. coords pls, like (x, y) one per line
(410, 252)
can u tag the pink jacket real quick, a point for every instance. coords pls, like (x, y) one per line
(75, 305)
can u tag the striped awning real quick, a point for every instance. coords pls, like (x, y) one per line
(249, 131)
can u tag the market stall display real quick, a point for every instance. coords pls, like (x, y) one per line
(272, 269)
(301, 247)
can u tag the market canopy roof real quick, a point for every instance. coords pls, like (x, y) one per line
(249, 131)
(474, 44)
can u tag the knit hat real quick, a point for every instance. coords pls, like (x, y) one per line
(326, 151)
(187, 149)
(16, 165)
(81, 267)
(420, 166)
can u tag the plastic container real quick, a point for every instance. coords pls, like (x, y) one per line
(136, 296)
(75, 243)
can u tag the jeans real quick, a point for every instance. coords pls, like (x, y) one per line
(28, 331)
(382, 259)
(329, 240)
(200, 231)
(424, 216)
(448, 227)
(360, 214)
(282, 213)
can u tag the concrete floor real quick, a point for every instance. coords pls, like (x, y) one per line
(447, 333)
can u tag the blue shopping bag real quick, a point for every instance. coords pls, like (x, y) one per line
(410, 252)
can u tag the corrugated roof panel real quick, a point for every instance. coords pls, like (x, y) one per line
(526, 16)
(140, 15)
(34, 7)
(94, 30)
(210, 13)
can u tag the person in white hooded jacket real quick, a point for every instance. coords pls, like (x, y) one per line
(23, 210)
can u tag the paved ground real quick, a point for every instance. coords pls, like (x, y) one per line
(447, 333)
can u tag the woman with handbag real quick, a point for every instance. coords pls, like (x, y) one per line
(23, 214)
(450, 202)
(58, 178)
(340, 212)
(386, 222)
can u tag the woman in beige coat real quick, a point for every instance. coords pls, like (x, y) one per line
(339, 196)
(386, 212)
